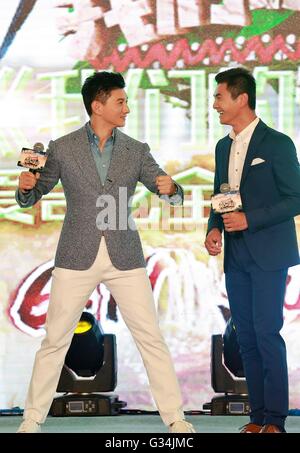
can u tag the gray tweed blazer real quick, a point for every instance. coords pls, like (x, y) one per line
(70, 160)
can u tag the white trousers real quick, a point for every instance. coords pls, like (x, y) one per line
(133, 294)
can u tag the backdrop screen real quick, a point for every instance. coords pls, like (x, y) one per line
(168, 52)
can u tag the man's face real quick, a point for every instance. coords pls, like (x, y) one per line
(228, 108)
(115, 109)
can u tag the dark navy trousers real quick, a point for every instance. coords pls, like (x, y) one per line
(256, 300)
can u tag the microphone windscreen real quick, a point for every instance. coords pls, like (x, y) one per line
(38, 147)
(225, 187)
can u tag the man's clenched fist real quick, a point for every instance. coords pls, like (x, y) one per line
(165, 185)
(213, 242)
(27, 180)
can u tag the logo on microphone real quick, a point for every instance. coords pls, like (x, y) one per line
(34, 159)
(226, 201)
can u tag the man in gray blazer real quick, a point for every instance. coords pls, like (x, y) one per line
(99, 168)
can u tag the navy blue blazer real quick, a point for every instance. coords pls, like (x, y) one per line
(270, 193)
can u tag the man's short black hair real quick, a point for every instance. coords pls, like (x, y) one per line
(100, 85)
(239, 80)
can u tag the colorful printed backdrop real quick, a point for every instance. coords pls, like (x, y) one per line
(169, 52)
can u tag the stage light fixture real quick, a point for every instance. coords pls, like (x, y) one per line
(227, 375)
(86, 352)
(90, 366)
(232, 357)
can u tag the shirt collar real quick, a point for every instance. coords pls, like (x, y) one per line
(245, 133)
(94, 137)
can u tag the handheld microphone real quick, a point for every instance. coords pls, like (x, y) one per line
(39, 149)
(227, 200)
(33, 159)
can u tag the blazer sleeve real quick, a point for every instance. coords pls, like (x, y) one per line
(49, 177)
(215, 220)
(286, 172)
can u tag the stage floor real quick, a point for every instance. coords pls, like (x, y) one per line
(136, 424)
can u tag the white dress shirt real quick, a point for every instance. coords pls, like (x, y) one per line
(238, 151)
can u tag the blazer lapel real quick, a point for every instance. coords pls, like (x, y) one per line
(224, 155)
(116, 166)
(84, 158)
(257, 136)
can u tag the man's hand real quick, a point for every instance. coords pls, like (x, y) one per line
(213, 242)
(235, 221)
(165, 185)
(27, 180)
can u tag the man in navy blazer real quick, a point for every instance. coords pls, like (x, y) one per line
(260, 242)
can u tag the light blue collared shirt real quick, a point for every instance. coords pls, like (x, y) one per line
(102, 158)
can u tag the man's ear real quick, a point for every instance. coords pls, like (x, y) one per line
(243, 99)
(96, 107)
